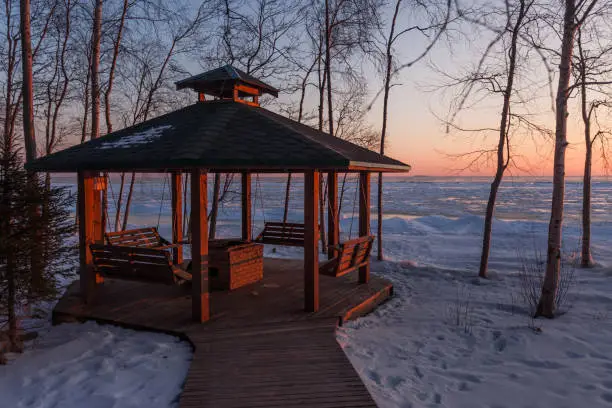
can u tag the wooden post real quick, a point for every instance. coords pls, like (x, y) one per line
(333, 222)
(311, 241)
(247, 208)
(87, 215)
(177, 216)
(199, 246)
(364, 219)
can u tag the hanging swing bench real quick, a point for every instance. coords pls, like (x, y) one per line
(140, 254)
(137, 263)
(282, 233)
(141, 237)
(350, 256)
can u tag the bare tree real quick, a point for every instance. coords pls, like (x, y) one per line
(148, 77)
(435, 26)
(95, 67)
(107, 101)
(575, 14)
(27, 89)
(592, 66)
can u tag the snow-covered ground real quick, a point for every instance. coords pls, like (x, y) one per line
(93, 366)
(447, 339)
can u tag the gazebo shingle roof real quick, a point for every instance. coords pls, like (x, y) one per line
(220, 135)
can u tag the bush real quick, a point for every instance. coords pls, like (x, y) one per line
(531, 275)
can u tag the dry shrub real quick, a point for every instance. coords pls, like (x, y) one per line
(531, 276)
(459, 311)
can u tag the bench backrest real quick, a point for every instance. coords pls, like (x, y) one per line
(133, 263)
(351, 255)
(141, 237)
(280, 233)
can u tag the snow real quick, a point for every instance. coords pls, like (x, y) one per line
(138, 138)
(415, 352)
(447, 338)
(88, 365)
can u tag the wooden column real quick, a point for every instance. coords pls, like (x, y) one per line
(333, 222)
(87, 216)
(177, 216)
(364, 219)
(311, 241)
(199, 246)
(247, 208)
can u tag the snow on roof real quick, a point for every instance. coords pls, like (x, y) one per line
(138, 138)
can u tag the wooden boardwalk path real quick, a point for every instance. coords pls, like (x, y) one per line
(259, 349)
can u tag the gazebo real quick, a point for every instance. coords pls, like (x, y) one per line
(226, 131)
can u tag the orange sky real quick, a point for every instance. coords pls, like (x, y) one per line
(417, 137)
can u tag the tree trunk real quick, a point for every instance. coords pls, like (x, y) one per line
(95, 66)
(488, 224)
(503, 152)
(36, 261)
(214, 211)
(546, 304)
(119, 200)
(111, 75)
(300, 115)
(13, 336)
(586, 260)
(128, 202)
(28, 94)
(383, 133)
(287, 194)
(95, 94)
(328, 34)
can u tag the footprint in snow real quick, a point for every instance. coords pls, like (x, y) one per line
(465, 377)
(607, 397)
(463, 386)
(374, 376)
(394, 381)
(500, 344)
(418, 372)
(550, 365)
(572, 354)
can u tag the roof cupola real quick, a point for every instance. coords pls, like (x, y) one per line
(227, 82)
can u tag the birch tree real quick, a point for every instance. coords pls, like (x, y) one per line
(575, 12)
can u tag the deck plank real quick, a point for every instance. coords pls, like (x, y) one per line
(259, 349)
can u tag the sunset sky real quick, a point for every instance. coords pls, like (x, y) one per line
(418, 136)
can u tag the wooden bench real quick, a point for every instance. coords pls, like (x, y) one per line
(141, 238)
(137, 263)
(281, 233)
(351, 255)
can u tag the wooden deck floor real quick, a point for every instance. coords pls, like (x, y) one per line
(260, 349)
